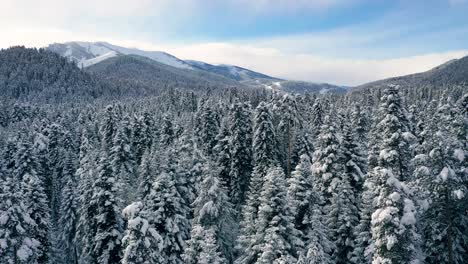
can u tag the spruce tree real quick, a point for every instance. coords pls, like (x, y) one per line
(108, 220)
(69, 213)
(17, 242)
(393, 223)
(35, 198)
(141, 244)
(265, 156)
(276, 238)
(213, 214)
(444, 186)
(240, 145)
(123, 162)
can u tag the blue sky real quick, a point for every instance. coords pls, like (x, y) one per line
(339, 41)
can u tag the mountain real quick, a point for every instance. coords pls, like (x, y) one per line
(231, 71)
(151, 76)
(453, 72)
(302, 87)
(40, 75)
(86, 54)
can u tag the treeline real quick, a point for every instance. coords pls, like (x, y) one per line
(203, 177)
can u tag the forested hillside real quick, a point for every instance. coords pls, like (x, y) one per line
(228, 175)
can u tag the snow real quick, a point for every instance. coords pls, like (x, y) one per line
(391, 241)
(101, 51)
(459, 194)
(87, 63)
(3, 219)
(408, 217)
(445, 173)
(395, 196)
(459, 154)
(383, 215)
(132, 210)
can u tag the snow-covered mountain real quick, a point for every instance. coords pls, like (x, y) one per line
(88, 53)
(231, 71)
(453, 72)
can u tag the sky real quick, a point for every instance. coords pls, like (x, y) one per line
(346, 42)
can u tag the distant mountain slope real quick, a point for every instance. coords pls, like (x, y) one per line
(88, 53)
(153, 76)
(40, 75)
(230, 71)
(454, 72)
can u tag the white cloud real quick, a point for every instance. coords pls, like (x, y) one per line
(349, 55)
(311, 67)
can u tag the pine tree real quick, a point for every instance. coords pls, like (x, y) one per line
(146, 174)
(86, 225)
(240, 145)
(327, 163)
(123, 162)
(69, 213)
(444, 184)
(167, 134)
(206, 129)
(300, 192)
(213, 213)
(17, 242)
(341, 218)
(203, 247)
(276, 236)
(223, 155)
(265, 157)
(363, 245)
(393, 223)
(141, 244)
(167, 214)
(107, 215)
(35, 198)
(288, 127)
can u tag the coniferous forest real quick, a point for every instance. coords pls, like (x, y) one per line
(98, 171)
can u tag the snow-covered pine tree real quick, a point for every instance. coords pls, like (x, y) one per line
(213, 214)
(17, 242)
(167, 134)
(445, 222)
(327, 162)
(288, 127)
(265, 156)
(363, 245)
(141, 244)
(108, 219)
(206, 128)
(146, 175)
(142, 135)
(123, 161)
(86, 225)
(393, 223)
(223, 155)
(300, 193)
(240, 145)
(108, 126)
(354, 157)
(318, 116)
(34, 197)
(341, 218)
(203, 247)
(69, 213)
(167, 214)
(276, 238)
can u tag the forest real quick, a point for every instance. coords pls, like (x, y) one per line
(94, 171)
